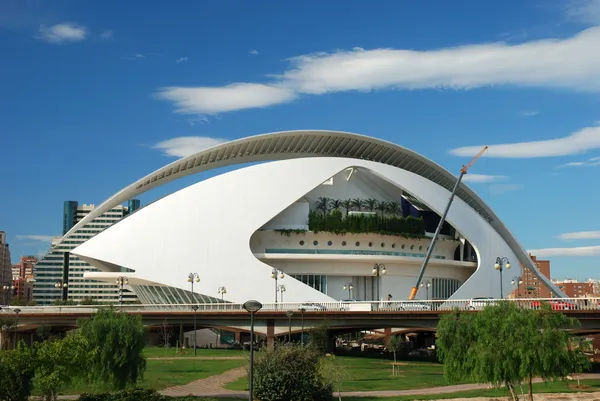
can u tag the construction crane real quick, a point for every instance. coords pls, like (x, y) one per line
(463, 171)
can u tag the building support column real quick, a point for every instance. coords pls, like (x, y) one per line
(387, 332)
(270, 334)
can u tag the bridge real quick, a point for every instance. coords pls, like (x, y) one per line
(277, 319)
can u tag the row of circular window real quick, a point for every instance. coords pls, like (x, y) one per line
(315, 243)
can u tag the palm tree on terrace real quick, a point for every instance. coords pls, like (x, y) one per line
(356, 204)
(335, 204)
(322, 204)
(347, 204)
(381, 206)
(394, 208)
(370, 204)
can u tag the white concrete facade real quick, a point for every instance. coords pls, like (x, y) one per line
(214, 227)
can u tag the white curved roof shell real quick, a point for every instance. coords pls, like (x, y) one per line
(338, 150)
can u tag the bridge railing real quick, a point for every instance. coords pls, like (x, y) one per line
(400, 306)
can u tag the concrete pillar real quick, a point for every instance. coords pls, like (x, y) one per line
(237, 337)
(270, 333)
(387, 332)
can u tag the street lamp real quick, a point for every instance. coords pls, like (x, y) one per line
(6, 289)
(17, 311)
(378, 270)
(193, 277)
(501, 264)
(289, 314)
(121, 281)
(252, 307)
(195, 308)
(62, 286)
(302, 310)
(426, 284)
(276, 274)
(516, 280)
(222, 290)
(348, 286)
(281, 289)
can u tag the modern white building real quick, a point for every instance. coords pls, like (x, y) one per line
(50, 274)
(323, 209)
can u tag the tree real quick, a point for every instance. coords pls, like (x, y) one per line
(6, 328)
(17, 369)
(347, 205)
(335, 204)
(394, 345)
(43, 332)
(370, 204)
(318, 338)
(335, 373)
(120, 339)
(505, 345)
(58, 362)
(290, 372)
(322, 204)
(165, 333)
(357, 204)
(381, 207)
(394, 208)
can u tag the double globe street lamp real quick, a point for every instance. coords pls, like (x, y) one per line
(516, 281)
(426, 284)
(349, 287)
(501, 264)
(252, 307)
(122, 281)
(63, 288)
(378, 271)
(194, 277)
(275, 275)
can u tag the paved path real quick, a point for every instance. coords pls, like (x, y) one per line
(210, 387)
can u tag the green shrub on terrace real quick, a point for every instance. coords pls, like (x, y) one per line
(337, 223)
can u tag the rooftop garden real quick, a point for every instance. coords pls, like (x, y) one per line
(384, 218)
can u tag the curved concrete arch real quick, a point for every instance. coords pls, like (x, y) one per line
(314, 143)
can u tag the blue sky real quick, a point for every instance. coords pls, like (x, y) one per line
(94, 95)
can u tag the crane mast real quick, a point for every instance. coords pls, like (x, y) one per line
(463, 171)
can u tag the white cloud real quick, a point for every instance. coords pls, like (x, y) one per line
(62, 33)
(253, 52)
(37, 237)
(482, 178)
(577, 251)
(497, 189)
(198, 120)
(108, 34)
(530, 113)
(187, 145)
(227, 98)
(584, 11)
(580, 235)
(576, 143)
(181, 60)
(548, 63)
(135, 56)
(594, 161)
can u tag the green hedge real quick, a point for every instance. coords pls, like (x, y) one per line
(337, 223)
(133, 394)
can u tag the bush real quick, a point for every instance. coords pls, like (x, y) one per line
(361, 224)
(290, 372)
(16, 374)
(133, 394)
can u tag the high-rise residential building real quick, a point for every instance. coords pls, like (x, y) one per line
(576, 288)
(5, 266)
(59, 272)
(24, 269)
(529, 286)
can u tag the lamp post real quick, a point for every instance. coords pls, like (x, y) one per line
(516, 280)
(6, 289)
(276, 274)
(378, 271)
(17, 311)
(61, 285)
(121, 281)
(426, 284)
(252, 307)
(348, 286)
(195, 308)
(222, 290)
(281, 289)
(501, 264)
(302, 310)
(289, 314)
(193, 277)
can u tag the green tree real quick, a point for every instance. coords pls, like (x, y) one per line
(335, 204)
(322, 204)
(381, 207)
(120, 339)
(347, 205)
(357, 204)
(506, 345)
(318, 338)
(369, 204)
(394, 344)
(17, 369)
(394, 208)
(58, 362)
(290, 372)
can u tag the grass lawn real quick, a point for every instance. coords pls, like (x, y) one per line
(365, 374)
(161, 352)
(166, 373)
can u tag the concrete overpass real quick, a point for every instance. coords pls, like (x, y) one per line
(273, 321)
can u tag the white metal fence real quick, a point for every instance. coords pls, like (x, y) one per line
(402, 306)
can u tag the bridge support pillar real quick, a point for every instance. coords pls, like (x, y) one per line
(270, 334)
(387, 332)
